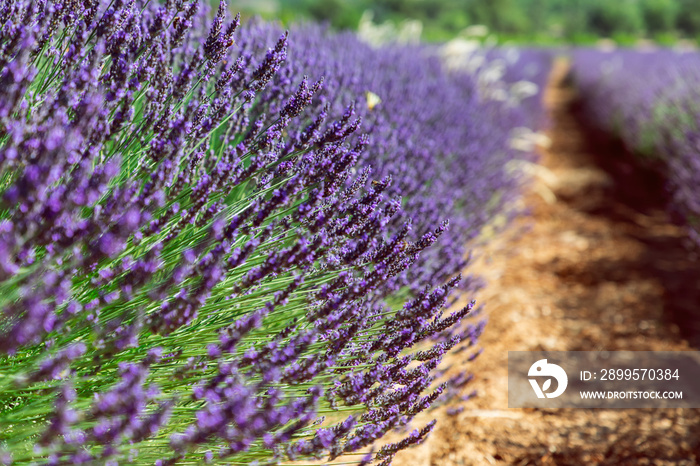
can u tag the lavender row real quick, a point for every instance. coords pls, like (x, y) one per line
(526, 73)
(225, 242)
(651, 100)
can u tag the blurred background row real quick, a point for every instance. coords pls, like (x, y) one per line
(533, 21)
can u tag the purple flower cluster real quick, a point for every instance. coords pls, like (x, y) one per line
(211, 235)
(444, 163)
(651, 101)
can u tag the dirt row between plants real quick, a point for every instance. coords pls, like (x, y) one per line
(597, 266)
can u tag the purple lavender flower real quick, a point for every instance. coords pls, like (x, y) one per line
(209, 237)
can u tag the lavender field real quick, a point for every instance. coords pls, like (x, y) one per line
(225, 241)
(650, 101)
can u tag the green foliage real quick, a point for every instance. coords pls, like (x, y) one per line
(688, 19)
(500, 15)
(665, 39)
(607, 18)
(539, 21)
(338, 12)
(659, 15)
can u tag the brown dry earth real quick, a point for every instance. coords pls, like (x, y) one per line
(599, 267)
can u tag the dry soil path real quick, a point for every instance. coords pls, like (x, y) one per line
(594, 267)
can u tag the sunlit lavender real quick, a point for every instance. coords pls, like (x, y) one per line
(230, 242)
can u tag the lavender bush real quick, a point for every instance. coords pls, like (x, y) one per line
(651, 101)
(215, 244)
